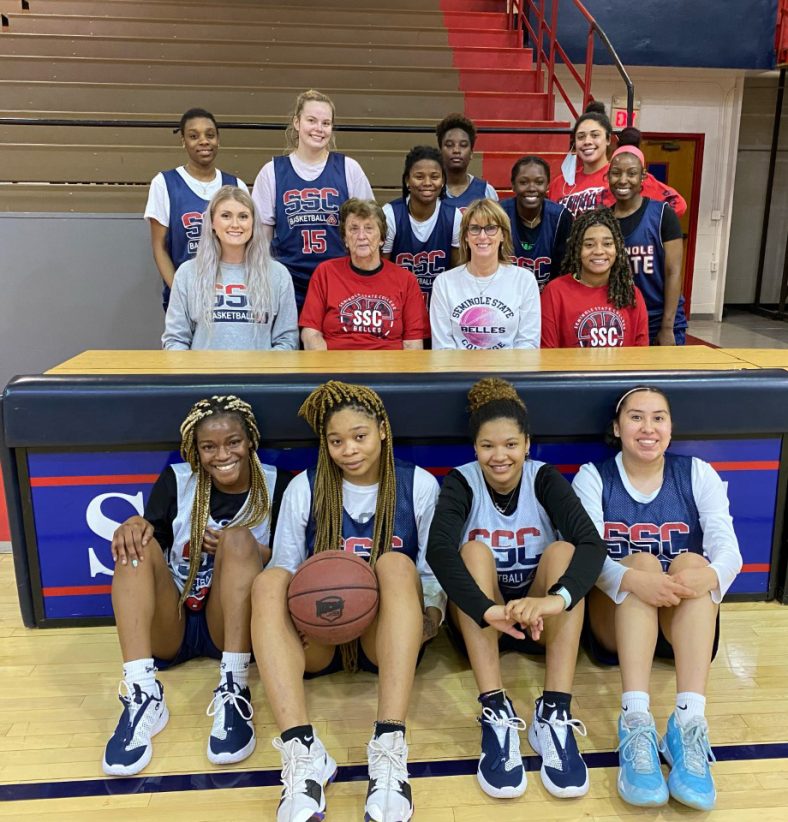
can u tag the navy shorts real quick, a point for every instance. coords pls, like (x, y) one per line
(364, 663)
(197, 641)
(663, 649)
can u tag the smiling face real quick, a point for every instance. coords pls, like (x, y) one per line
(456, 150)
(530, 187)
(625, 177)
(355, 442)
(597, 254)
(591, 142)
(314, 126)
(363, 241)
(482, 246)
(501, 449)
(201, 140)
(224, 448)
(233, 225)
(425, 181)
(644, 427)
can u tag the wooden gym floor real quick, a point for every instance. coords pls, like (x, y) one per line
(58, 706)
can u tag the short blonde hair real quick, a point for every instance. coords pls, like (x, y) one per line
(486, 212)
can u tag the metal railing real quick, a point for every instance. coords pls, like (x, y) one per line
(529, 17)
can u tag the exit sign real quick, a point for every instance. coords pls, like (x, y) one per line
(618, 113)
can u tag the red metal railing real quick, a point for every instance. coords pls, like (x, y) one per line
(781, 37)
(529, 16)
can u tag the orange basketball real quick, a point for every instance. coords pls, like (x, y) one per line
(333, 597)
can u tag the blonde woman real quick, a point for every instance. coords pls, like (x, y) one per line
(232, 295)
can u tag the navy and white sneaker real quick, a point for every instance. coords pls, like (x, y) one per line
(232, 736)
(389, 797)
(129, 749)
(564, 774)
(305, 772)
(501, 773)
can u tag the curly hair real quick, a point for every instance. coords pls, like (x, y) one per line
(257, 505)
(492, 398)
(452, 121)
(416, 154)
(621, 286)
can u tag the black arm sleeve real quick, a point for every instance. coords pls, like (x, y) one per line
(671, 227)
(443, 548)
(568, 515)
(559, 246)
(282, 481)
(162, 507)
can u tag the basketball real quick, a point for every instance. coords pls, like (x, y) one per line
(333, 597)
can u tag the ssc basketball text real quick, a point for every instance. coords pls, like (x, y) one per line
(645, 537)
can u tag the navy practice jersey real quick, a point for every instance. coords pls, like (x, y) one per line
(477, 189)
(426, 260)
(307, 219)
(357, 536)
(664, 527)
(647, 259)
(538, 256)
(186, 210)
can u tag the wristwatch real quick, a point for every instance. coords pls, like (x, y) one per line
(563, 593)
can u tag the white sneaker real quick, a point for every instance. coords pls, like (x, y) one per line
(389, 796)
(305, 772)
(232, 736)
(130, 749)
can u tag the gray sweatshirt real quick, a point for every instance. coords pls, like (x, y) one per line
(232, 327)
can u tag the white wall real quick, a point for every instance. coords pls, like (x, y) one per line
(691, 101)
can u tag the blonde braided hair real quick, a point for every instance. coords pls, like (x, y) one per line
(257, 504)
(317, 410)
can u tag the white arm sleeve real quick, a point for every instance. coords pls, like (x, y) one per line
(719, 539)
(491, 193)
(455, 233)
(158, 205)
(290, 537)
(425, 495)
(357, 182)
(391, 228)
(440, 321)
(264, 194)
(178, 323)
(587, 485)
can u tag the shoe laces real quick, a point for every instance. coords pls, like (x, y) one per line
(697, 751)
(502, 724)
(387, 765)
(297, 764)
(640, 747)
(227, 693)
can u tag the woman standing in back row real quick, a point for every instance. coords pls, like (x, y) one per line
(178, 198)
(298, 196)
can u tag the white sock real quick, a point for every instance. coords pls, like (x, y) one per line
(689, 706)
(141, 672)
(237, 665)
(634, 702)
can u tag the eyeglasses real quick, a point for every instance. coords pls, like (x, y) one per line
(490, 230)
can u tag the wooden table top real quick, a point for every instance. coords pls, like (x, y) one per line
(692, 358)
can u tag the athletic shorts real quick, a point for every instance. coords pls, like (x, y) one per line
(505, 642)
(364, 663)
(663, 649)
(197, 641)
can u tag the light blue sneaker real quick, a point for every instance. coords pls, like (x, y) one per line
(640, 781)
(688, 753)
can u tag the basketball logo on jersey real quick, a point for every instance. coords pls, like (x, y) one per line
(482, 321)
(600, 327)
(515, 561)
(361, 314)
(642, 258)
(232, 304)
(539, 265)
(425, 265)
(195, 600)
(192, 225)
(647, 538)
(311, 206)
(362, 546)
